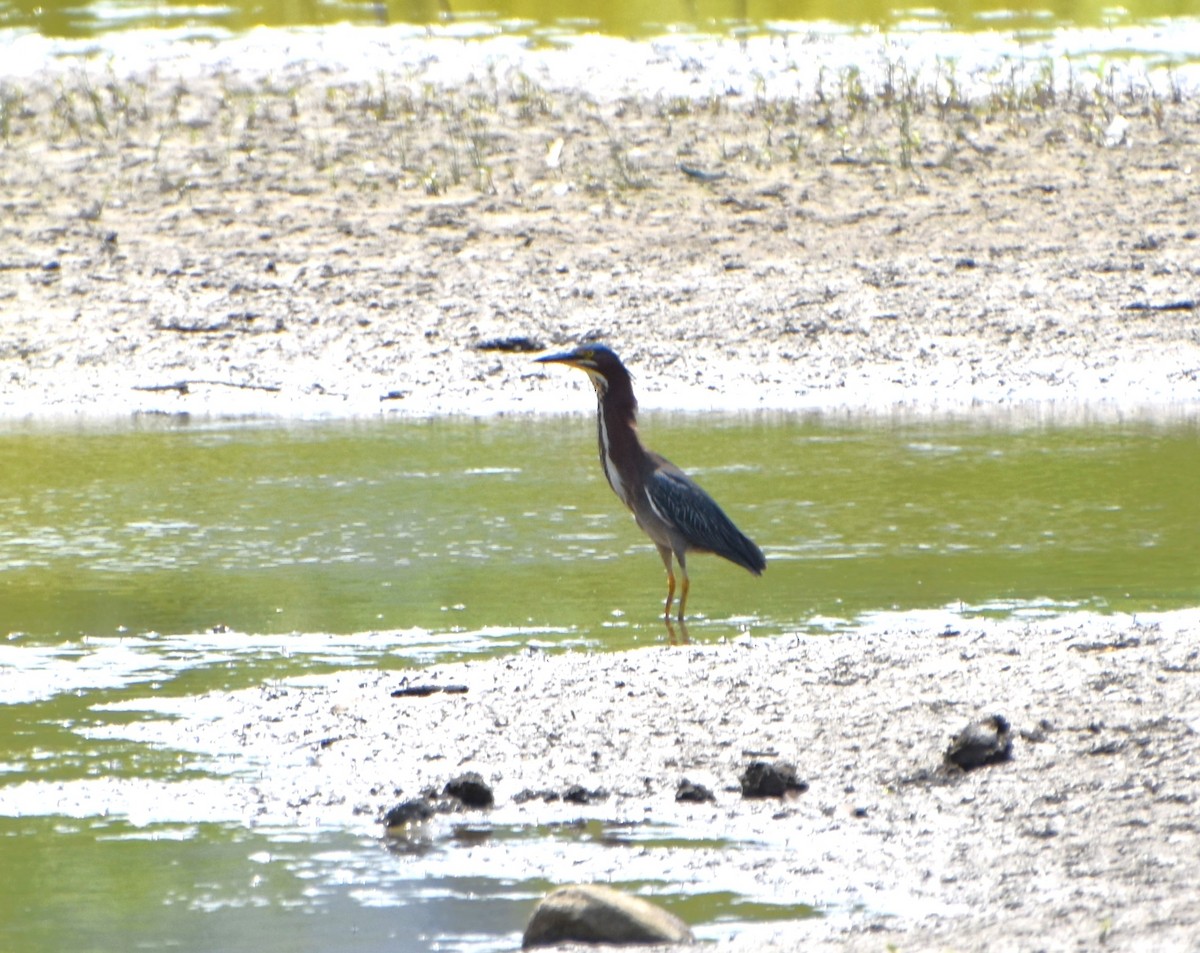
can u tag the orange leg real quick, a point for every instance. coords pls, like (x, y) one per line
(665, 553)
(683, 591)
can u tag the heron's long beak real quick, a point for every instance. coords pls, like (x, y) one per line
(570, 358)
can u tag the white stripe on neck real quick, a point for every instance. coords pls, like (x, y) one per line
(610, 468)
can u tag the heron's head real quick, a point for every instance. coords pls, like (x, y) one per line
(597, 361)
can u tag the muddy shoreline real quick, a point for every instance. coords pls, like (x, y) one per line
(216, 243)
(1085, 839)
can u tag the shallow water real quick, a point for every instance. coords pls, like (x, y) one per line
(567, 17)
(467, 536)
(175, 558)
(220, 887)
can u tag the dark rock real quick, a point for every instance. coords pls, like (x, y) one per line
(408, 829)
(693, 792)
(578, 794)
(987, 741)
(531, 795)
(591, 913)
(470, 789)
(416, 691)
(575, 794)
(425, 690)
(406, 813)
(761, 779)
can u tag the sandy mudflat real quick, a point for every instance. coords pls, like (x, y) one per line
(216, 239)
(1087, 839)
(211, 233)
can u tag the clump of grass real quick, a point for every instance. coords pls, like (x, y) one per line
(395, 131)
(629, 174)
(12, 108)
(532, 101)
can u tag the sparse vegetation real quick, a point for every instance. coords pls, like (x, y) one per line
(419, 136)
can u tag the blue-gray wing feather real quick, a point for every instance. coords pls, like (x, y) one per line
(701, 522)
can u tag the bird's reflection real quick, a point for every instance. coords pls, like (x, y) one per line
(682, 638)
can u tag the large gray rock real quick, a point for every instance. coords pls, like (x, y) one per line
(590, 913)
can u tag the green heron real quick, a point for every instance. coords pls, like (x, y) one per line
(670, 507)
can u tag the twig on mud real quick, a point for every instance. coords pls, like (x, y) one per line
(701, 175)
(518, 344)
(184, 387)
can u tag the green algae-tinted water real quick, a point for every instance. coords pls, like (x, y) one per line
(181, 558)
(60, 18)
(99, 884)
(106, 885)
(468, 536)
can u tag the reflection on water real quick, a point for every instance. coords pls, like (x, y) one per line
(168, 559)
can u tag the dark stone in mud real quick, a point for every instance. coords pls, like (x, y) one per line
(414, 811)
(531, 795)
(578, 794)
(761, 779)
(575, 794)
(470, 789)
(407, 829)
(693, 792)
(591, 913)
(983, 742)
(424, 691)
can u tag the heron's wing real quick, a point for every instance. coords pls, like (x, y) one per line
(679, 501)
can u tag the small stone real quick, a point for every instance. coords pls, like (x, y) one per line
(405, 813)
(987, 741)
(761, 779)
(528, 794)
(591, 913)
(470, 789)
(693, 792)
(578, 794)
